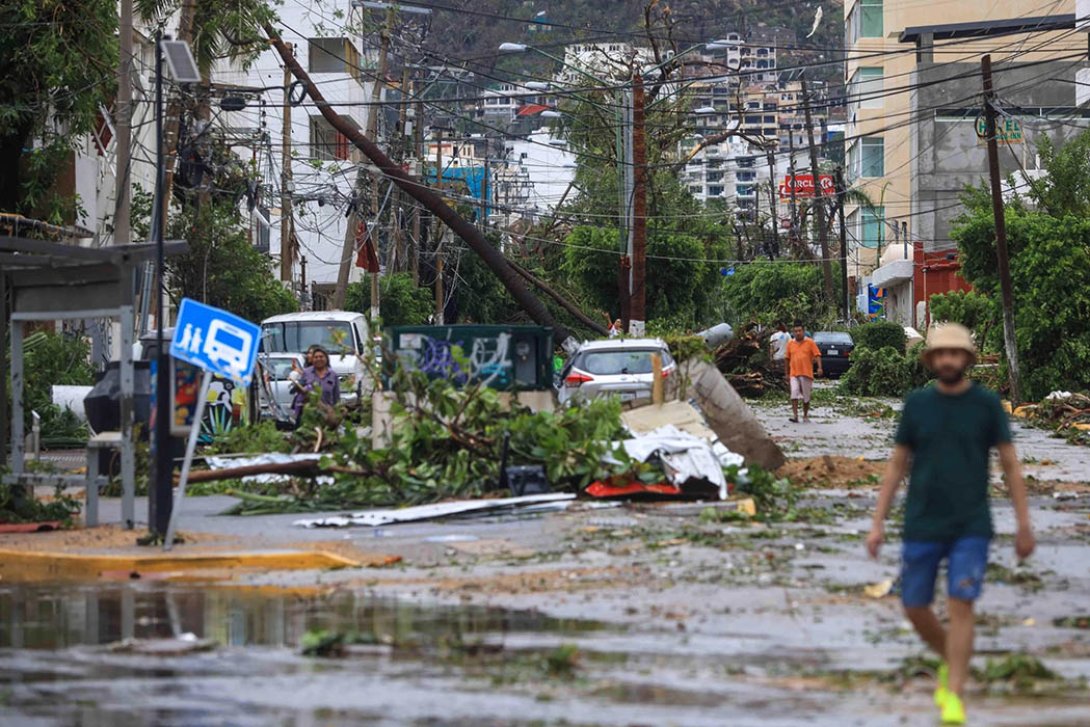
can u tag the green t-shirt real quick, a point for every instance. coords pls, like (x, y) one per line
(951, 437)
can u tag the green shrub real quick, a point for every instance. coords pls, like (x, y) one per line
(401, 302)
(971, 309)
(879, 335)
(883, 372)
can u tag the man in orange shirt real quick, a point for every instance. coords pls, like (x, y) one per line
(802, 353)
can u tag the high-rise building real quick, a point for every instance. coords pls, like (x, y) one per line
(880, 137)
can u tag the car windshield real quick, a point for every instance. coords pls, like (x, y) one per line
(277, 368)
(297, 336)
(833, 337)
(628, 361)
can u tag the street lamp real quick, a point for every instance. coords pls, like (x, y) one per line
(183, 69)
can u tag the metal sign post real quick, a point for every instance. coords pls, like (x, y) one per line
(191, 446)
(221, 344)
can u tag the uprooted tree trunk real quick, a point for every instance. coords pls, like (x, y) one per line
(431, 201)
(728, 414)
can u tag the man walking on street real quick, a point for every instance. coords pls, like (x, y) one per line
(801, 354)
(947, 432)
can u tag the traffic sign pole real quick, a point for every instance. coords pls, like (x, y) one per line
(191, 447)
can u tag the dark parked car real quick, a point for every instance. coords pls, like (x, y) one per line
(836, 350)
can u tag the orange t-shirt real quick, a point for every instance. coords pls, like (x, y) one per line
(801, 357)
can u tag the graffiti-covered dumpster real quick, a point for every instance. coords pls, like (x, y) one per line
(507, 358)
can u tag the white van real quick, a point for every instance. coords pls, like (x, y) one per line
(344, 335)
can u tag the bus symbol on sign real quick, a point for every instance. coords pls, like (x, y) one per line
(228, 345)
(1007, 130)
(215, 340)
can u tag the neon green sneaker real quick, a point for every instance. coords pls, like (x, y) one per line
(953, 711)
(944, 685)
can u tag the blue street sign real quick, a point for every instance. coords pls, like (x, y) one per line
(215, 340)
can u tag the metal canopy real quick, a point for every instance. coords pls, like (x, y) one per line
(987, 28)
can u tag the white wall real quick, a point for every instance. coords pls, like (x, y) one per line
(550, 168)
(320, 229)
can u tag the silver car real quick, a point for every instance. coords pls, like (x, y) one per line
(619, 366)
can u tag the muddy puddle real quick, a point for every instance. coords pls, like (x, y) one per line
(65, 616)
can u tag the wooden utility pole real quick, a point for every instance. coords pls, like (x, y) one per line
(841, 191)
(372, 132)
(395, 258)
(287, 244)
(431, 201)
(772, 204)
(638, 309)
(418, 153)
(303, 283)
(1010, 343)
(793, 236)
(173, 116)
(123, 122)
(819, 203)
(350, 234)
(440, 303)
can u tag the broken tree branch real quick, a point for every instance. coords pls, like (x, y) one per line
(561, 300)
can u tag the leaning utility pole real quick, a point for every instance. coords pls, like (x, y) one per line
(638, 309)
(841, 192)
(1010, 343)
(123, 122)
(819, 204)
(287, 245)
(431, 201)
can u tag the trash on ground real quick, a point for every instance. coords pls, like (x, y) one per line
(693, 467)
(530, 504)
(881, 589)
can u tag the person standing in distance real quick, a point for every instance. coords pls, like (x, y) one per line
(777, 344)
(946, 434)
(799, 359)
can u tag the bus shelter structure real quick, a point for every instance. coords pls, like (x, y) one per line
(43, 281)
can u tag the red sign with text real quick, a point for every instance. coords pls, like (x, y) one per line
(804, 186)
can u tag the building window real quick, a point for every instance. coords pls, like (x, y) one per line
(872, 156)
(326, 143)
(864, 21)
(715, 191)
(333, 55)
(873, 230)
(870, 25)
(866, 88)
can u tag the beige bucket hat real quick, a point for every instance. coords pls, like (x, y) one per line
(948, 335)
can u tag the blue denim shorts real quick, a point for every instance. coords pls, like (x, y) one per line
(966, 560)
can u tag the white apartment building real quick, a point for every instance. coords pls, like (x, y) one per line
(323, 163)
